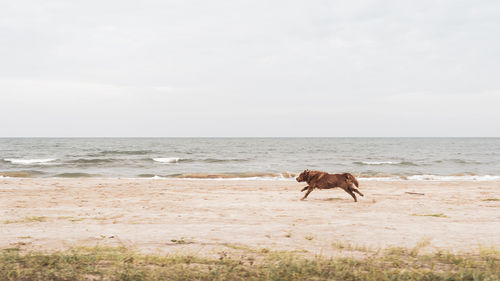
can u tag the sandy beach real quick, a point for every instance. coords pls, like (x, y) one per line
(200, 216)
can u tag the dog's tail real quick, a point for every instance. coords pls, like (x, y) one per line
(353, 179)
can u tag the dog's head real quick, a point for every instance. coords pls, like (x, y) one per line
(303, 176)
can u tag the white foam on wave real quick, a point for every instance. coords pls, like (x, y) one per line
(380, 179)
(379, 162)
(29, 161)
(167, 159)
(453, 178)
(156, 177)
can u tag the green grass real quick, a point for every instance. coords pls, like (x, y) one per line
(441, 215)
(105, 263)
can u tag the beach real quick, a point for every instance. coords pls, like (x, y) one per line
(206, 216)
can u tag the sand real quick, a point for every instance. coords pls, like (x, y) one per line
(200, 216)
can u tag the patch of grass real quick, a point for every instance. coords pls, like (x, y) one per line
(107, 218)
(27, 219)
(338, 245)
(491, 199)
(440, 215)
(309, 237)
(180, 241)
(424, 242)
(24, 237)
(105, 263)
(350, 247)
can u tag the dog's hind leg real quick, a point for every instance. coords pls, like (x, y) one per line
(352, 194)
(307, 193)
(304, 188)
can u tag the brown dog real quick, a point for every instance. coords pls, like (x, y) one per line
(322, 180)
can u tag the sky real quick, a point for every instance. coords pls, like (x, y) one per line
(376, 68)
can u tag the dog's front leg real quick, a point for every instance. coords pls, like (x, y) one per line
(304, 188)
(310, 188)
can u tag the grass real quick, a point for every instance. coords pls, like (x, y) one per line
(106, 263)
(44, 219)
(180, 241)
(351, 247)
(441, 215)
(491, 199)
(27, 219)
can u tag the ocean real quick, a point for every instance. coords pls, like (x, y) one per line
(252, 158)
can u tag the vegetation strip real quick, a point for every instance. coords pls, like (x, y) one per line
(107, 263)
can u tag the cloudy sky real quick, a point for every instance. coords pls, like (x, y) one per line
(249, 68)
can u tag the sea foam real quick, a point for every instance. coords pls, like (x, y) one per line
(167, 160)
(453, 178)
(29, 161)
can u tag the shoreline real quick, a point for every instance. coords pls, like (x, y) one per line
(414, 178)
(202, 215)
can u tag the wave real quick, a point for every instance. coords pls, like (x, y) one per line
(216, 160)
(168, 159)
(204, 160)
(402, 163)
(125, 152)
(92, 161)
(283, 175)
(147, 175)
(74, 175)
(453, 178)
(29, 161)
(462, 161)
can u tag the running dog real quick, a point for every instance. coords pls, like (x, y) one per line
(323, 180)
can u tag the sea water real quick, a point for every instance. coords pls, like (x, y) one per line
(250, 158)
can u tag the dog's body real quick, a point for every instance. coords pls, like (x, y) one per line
(322, 180)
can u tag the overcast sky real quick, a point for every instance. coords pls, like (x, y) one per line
(249, 68)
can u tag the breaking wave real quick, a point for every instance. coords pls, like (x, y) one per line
(75, 175)
(232, 176)
(402, 163)
(29, 161)
(168, 159)
(203, 160)
(454, 178)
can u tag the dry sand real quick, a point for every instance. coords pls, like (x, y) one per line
(204, 215)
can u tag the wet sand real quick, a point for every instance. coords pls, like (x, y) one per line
(200, 216)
